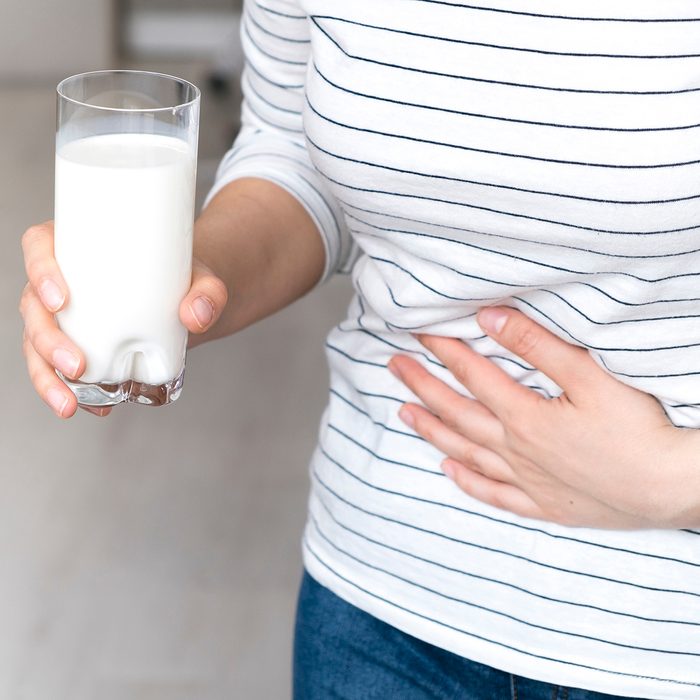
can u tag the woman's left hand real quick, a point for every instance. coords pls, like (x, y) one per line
(601, 454)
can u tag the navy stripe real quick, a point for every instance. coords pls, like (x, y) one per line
(496, 282)
(430, 359)
(285, 86)
(353, 359)
(277, 36)
(478, 115)
(580, 342)
(527, 528)
(566, 17)
(516, 257)
(619, 321)
(275, 125)
(345, 204)
(653, 375)
(354, 406)
(395, 346)
(391, 263)
(325, 202)
(371, 395)
(386, 460)
(499, 47)
(518, 285)
(438, 200)
(263, 51)
(505, 154)
(463, 572)
(447, 178)
(393, 327)
(478, 636)
(278, 13)
(485, 608)
(503, 83)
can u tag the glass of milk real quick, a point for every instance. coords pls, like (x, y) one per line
(126, 153)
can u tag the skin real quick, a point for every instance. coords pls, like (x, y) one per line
(601, 455)
(256, 250)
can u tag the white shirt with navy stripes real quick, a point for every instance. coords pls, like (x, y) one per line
(537, 153)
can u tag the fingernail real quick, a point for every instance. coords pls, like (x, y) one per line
(448, 467)
(57, 400)
(407, 417)
(66, 361)
(51, 295)
(492, 320)
(203, 311)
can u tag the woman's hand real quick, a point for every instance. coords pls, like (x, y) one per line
(46, 348)
(600, 455)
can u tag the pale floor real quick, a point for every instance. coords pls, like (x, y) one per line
(153, 555)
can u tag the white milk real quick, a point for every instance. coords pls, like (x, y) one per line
(124, 215)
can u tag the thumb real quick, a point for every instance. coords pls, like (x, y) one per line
(570, 366)
(205, 301)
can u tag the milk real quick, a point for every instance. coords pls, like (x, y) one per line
(123, 240)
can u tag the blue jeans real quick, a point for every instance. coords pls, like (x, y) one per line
(343, 653)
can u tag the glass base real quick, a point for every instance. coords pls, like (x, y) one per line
(100, 394)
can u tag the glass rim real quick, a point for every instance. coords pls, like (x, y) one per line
(197, 92)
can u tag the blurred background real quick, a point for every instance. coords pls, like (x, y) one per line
(154, 554)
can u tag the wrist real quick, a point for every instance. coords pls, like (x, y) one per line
(678, 503)
(264, 246)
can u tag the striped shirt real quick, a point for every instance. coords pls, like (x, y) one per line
(541, 154)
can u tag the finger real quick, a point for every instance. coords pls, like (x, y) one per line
(41, 266)
(455, 445)
(487, 382)
(570, 366)
(51, 389)
(54, 346)
(99, 412)
(205, 301)
(492, 492)
(464, 415)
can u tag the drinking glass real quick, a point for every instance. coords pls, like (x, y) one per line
(126, 154)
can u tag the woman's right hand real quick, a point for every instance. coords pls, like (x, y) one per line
(46, 348)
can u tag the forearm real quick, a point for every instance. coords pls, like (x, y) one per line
(264, 246)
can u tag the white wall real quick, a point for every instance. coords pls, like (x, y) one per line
(54, 38)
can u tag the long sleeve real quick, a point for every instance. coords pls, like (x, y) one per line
(271, 145)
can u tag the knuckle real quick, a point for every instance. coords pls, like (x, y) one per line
(467, 454)
(451, 420)
(24, 300)
(29, 236)
(468, 457)
(219, 291)
(32, 234)
(42, 340)
(518, 428)
(35, 375)
(35, 271)
(425, 430)
(461, 371)
(524, 428)
(218, 285)
(497, 500)
(525, 339)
